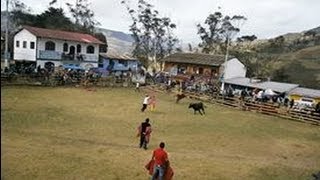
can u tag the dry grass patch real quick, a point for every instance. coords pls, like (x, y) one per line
(71, 133)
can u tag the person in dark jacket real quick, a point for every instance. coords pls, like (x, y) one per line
(291, 103)
(144, 131)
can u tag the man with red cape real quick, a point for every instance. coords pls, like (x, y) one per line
(159, 166)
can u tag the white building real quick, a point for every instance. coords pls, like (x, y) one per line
(47, 47)
(233, 68)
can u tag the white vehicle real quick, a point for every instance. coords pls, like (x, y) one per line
(306, 102)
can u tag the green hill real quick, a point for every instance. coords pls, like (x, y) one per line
(292, 58)
(302, 67)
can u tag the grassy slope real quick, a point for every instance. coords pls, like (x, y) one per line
(67, 133)
(302, 67)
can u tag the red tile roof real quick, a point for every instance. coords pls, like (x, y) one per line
(62, 35)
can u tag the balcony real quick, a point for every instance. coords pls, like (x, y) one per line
(55, 55)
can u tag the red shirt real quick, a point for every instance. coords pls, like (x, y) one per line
(160, 156)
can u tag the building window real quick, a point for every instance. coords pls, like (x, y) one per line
(182, 69)
(90, 50)
(17, 43)
(65, 47)
(78, 48)
(31, 45)
(24, 44)
(50, 46)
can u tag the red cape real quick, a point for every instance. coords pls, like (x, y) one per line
(168, 173)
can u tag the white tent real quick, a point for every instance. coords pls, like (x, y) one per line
(269, 92)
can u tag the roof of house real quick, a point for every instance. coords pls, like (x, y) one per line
(118, 56)
(255, 83)
(196, 58)
(276, 86)
(62, 35)
(306, 92)
(243, 81)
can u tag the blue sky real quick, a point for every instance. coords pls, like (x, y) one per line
(266, 18)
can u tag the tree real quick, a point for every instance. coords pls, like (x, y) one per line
(54, 18)
(219, 32)
(247, 38)
(152, 34)
(20, 14)
(83, 16)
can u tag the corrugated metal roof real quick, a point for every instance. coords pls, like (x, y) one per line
(306, 92)
(255, 83)
(196, 58)
(62, 35)
(277, 86)
(243, 81)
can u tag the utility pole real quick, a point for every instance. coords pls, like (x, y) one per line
(6, 54)
(225, 67)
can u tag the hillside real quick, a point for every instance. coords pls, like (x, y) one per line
(118, 42)
(292, 57)
(302, 67)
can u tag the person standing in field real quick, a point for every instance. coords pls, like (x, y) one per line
(137, 87)
(161, 162)
(144, 131)
(145, 103)
(152, 103)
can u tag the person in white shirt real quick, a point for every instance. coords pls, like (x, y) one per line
(145, 103)
(137, 86)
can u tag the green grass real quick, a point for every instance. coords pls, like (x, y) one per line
(72, 133)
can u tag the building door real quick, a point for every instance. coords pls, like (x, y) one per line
(72, 52)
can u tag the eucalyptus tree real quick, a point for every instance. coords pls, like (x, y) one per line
(218, 32)
(83, 15)
(153, 34)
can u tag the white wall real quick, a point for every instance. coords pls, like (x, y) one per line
(21, 53)
(59, 47)
(58, 63)
(234, 68)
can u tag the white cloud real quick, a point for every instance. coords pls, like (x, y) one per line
(265, 18)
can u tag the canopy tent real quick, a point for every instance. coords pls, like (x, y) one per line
(269, 92)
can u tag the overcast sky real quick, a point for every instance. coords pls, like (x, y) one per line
(266, 18)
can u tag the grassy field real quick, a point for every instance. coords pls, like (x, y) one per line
(72, 133)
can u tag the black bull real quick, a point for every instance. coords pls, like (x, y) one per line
(197, 107)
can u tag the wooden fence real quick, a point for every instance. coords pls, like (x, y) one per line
(273, 109)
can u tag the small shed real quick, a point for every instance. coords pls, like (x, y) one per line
(305, 94)
(115, 62)
(243, 82)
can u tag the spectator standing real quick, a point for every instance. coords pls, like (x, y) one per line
(291, 103)
(137, 87)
